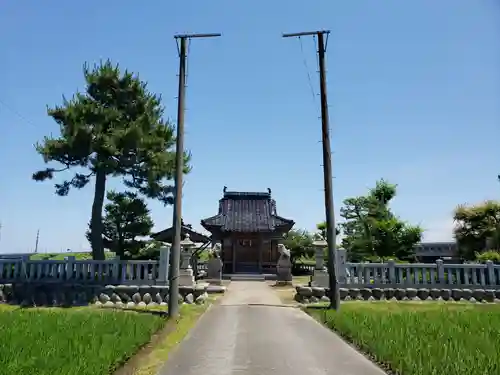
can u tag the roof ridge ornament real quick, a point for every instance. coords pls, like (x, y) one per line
(269, 191)
(225, 189)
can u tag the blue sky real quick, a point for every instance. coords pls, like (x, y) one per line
(414, 90)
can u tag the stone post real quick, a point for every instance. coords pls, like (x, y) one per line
(490, 269)
(69, 267)
(320, 276)
(440, 271)
(319, 255)
(24, 267)
(341, 266)
(116, 269)
(186, 277)
(391, 264)
(163, 266)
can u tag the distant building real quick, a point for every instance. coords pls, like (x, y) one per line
(429, 252)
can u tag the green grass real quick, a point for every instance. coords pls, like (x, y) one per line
(71, 341)
(422, 338)
(62, 256)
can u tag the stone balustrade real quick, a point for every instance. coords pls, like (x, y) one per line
(306, 294)
(80, 295)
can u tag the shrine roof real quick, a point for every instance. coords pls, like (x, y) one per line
(247, 212)
(167, 235)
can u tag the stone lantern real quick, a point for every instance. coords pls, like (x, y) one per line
(186, 277)
(320, 275)
(319, 253)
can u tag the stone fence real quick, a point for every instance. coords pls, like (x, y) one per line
(400, 281)
(62, 294)
(308, 294)
(71, 282)
(70, 270)
(394, 275)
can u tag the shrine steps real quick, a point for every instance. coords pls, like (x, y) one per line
(249, 277)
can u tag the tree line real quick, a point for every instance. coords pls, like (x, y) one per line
(370, 231)
(116, 128)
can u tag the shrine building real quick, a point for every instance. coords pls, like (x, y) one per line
(249, 229)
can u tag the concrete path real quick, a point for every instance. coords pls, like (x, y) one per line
(250, 293)
(244, 335)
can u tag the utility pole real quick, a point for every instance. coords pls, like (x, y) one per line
(36, 242)
(175, 253)
(331, 235)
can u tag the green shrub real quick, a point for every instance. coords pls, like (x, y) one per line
(492, 255)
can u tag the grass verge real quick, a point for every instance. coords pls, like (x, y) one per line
(80, 341)
(150, 359)
(421, 338)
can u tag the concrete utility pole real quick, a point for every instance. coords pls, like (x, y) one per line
(175, 253)
(331, 235)
(36, 242)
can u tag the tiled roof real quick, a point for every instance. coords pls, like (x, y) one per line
(247, 212)
(168, 234)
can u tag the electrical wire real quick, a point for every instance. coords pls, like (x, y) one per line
(309, 80)
(187, 63)
(12, 110)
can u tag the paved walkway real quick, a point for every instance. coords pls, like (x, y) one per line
(246, 335)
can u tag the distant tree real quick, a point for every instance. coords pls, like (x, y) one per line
(371, 230)
(114, 129)
(477, 228)
(491, 255)
(299, 242)
(321, 231)
(126, 218)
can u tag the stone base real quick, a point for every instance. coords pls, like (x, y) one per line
(320, 278)
(306, 294)
(45, 294)
(283, 282)
(213, 281)
(216, 289)
(186, 277)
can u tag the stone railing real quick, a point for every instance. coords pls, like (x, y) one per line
(307, 294)
(399, 281)
(437, 275)
(114, 282)
(420, 275)
(70, 270)
(60, 294)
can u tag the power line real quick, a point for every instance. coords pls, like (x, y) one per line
(15, 112)
(309, 80)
